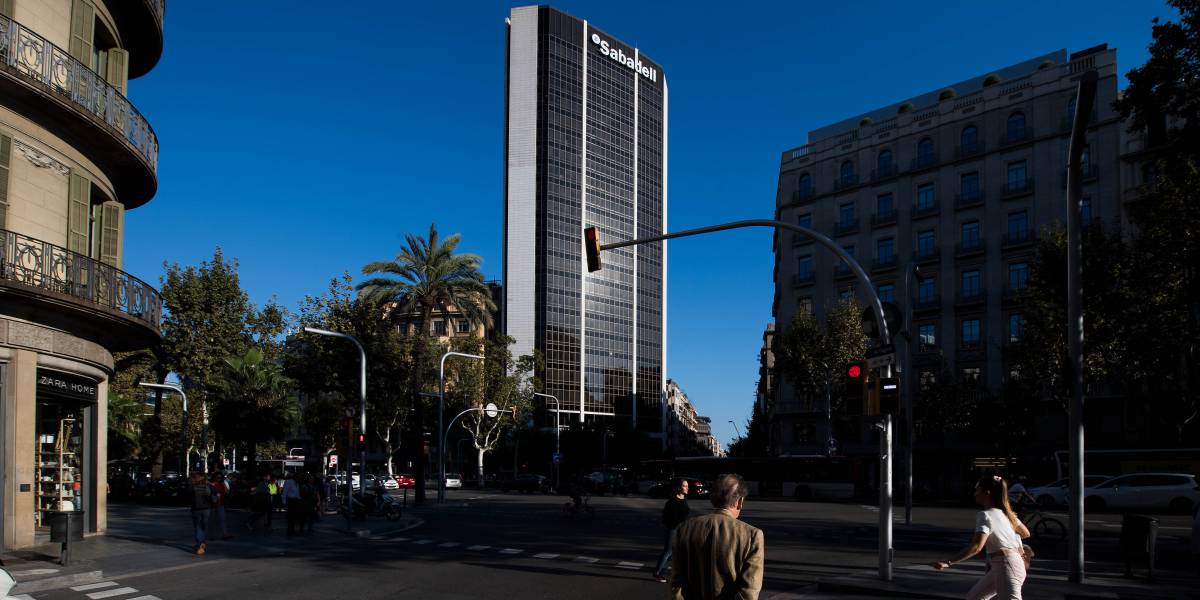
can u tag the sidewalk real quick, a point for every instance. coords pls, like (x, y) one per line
(142, 538)
(1048, 581)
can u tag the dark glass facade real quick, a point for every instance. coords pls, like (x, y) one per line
(598, 158)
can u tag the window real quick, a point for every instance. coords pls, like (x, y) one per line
(1085, 210)
(805, 220)
(464, 326)
(885, 250)
(928, 380)
(887, 292)
(926, 243)
(927, 336)
(1018, 276)
(805, 185)
(1017, 176)
(970, 235)
(1070, 111)
(970, 283)
(804, 267)
(969, 140)
(846, 295)
(402, 329)
(439, 327)
(1016, 126)
(925, 197)
(805, 305)
(1018, 226)
(927, 290)
(846, 215)
(841, 265)
(849, 250)
(1016, 327)
(1085, 161)
(971, 376)
(885, 206)
(970, 333)
(968, 185)
(925, 152)
(847, 173)
(884, 163)
(1149, 173)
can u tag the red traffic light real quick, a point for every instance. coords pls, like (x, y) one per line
(854, 371)
(361, 438)
(591, 247)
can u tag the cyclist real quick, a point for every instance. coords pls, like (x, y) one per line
(1020, 497)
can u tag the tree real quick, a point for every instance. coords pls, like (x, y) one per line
(257, 405)
(427, 277)
(811, 356)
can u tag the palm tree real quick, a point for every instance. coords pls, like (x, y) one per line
(427, 277)
(254, 401)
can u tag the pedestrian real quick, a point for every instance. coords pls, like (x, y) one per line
(308, 500)
(220, 492)
(260, 503)
(674, 512)
(997, 529)
(273, 488)
(202, 503)
(716, 555)
(292, 503)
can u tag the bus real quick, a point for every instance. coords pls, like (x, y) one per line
(802, 477)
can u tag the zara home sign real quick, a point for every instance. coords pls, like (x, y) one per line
(619, 55)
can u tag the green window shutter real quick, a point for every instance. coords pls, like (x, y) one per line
(112, 221)
(83, 25)
(5, 157)
(6, 8)
(118, 70)
(78, 214)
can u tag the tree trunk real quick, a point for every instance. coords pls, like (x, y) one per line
(479, 466)
(418, 406)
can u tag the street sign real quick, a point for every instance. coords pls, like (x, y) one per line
(557, 458)
(350, 412)
(293, 463)
(881, 356)
(333, 460)
(491, 410)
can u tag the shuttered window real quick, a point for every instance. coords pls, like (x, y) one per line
(5, 158)
(6, 8)
(79, 214)
(118, 70)
(83, 25)
(110, 219)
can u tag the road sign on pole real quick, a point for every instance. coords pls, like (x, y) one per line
(881, 356)
(491, 410)
(333, 460)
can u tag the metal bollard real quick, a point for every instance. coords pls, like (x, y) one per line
(1139, 536)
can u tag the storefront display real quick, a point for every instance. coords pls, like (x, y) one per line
(63, 404)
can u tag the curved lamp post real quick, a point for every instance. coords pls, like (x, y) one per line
(362, 418)
(187, 448)
(441, 410)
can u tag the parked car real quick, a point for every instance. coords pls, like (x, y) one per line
(1175, 492)
(389, 482)
(453, 480)
(406, 480)
(526, 482)
(1055, 493)
(665, 488)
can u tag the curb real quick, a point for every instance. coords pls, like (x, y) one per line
(57, 582)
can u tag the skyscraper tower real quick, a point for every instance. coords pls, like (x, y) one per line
(586, 144)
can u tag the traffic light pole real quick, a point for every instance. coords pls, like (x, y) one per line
(362, 415)
(592, 249)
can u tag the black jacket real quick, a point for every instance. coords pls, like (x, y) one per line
(675, 511)
(202, 497)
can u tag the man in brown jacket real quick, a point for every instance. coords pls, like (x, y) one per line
(716, 555)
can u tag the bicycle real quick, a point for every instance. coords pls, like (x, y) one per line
(585, 508)
(1042, 526)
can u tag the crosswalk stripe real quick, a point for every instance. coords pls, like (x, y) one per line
(448, 545)
(32, 572)
(586, 559)
(400, 539)
(111, 593)
(21, 597)
(93, 586)
(422, 542)
(478, 548)
(146, 598)
(629, 565)
(511, 551)
(545, 555)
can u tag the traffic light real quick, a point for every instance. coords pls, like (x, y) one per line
(889, 395)
(855, 375)
(361, 438)
(591, 245)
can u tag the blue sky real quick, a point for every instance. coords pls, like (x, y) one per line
(305, 139)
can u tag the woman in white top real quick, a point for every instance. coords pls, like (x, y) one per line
(998, 529)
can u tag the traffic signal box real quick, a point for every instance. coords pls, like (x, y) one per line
(889, 395)
(880, 395)
(591, 246)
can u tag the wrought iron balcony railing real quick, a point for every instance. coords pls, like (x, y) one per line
(34, 57)
(43, 265)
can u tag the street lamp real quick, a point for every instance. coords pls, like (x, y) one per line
(362, 418)
(490, 410)
(557, 433)
(186, 446)
(441, 409)
(906, 389)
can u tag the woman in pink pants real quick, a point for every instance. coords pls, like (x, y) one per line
(997, 529)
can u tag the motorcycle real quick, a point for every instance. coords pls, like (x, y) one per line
(383, 505)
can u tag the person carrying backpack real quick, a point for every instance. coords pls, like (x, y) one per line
(201, 503)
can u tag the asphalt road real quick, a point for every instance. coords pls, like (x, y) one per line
(494, 545)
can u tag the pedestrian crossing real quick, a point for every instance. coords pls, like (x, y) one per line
(104, 590)
(507, 551)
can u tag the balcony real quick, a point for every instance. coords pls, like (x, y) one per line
(969, 248)
(845, 227)
(842, 271)
(141, 25)
(1089, 172)
(969, 151)
(883, 219)
(52, 285)
(799, 239)
(1017, 239)
(801, 196)
(1017, 136)
(886, 263)
(929, 210)
(924, 161)
(968, 200)
(843, 183)
(803, 279)
(925, 256)
(44, 82)
(1017, 189)
(931, 303)
(1013, 295)
(883, 172)
(970, 297)
(970, 351)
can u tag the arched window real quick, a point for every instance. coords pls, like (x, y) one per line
(804, 187)
(925, 152)
(883, 164)
(1016, 126)
(968, 141)
(1071, 111)
(846, 173)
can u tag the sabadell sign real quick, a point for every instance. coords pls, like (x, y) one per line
(619, 55)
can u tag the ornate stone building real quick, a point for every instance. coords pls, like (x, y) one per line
(75, 154)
